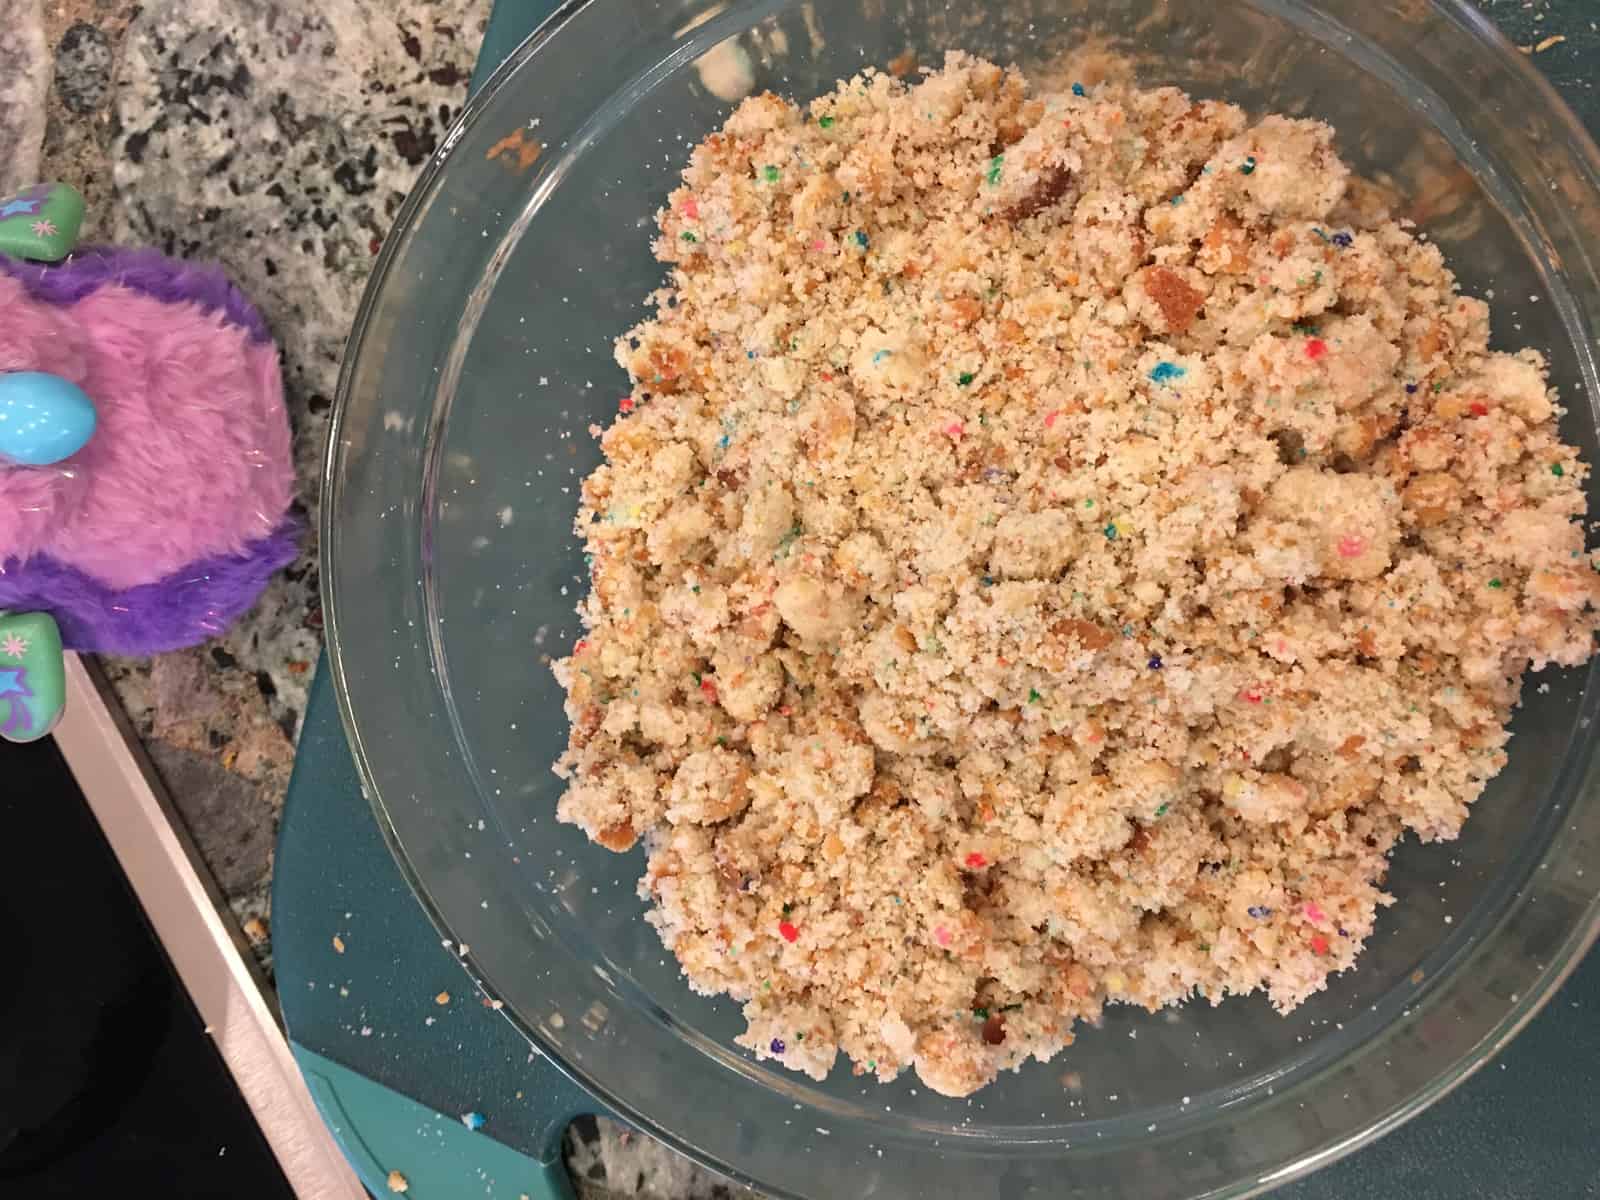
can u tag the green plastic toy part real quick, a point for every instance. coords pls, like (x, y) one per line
(33, 676)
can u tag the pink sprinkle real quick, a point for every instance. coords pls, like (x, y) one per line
(1316, 348)
(691, 209)
(818, 245)
(955, 429)
(1050, 419)
(941, 935)
(1352, 546)
(1315, 913)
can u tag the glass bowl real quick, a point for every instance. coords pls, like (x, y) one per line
(482, 356)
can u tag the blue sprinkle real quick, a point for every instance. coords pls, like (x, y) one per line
(1165, 372)
(777, 1045)
(861, 239)
(988, 581)
(1319, 233)
(1155, 662)
(1077, 90)
(879, 355)
(723, 441)
(1177, 200)
(473, 1121)
(1259, 911)
(1343, 240)
(1411, 389)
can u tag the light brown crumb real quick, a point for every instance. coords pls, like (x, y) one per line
(1054, 547)
(442, 998)
(398, 1182)
(338, 944)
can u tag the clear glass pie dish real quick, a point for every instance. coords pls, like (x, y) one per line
(482, 356)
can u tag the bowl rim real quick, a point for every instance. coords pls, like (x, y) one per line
(1585, 928)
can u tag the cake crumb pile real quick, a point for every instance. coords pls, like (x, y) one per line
(1054, 546)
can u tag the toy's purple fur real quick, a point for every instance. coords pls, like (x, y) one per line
(194, 604)
(147, 272)
(190, 475)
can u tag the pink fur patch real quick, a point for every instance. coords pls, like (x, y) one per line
(191, 456)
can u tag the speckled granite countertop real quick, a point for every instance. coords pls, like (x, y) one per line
(278, 138)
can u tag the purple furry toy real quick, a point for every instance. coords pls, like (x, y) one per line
(167, 523)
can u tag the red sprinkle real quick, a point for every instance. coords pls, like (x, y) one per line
(789, 932)
(1316, 348)
(375, 245)
(955, 429)
(977, 860)
(827, 377)
(1352, 545)
(1252, 694)
(1319, 944)
(1479, 409)
(708, 688)
(625, 404)
(583, 644)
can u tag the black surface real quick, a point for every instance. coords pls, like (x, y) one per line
(107, 1078)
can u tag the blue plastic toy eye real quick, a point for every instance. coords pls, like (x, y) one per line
(43, 418)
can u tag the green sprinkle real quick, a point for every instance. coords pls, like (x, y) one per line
(695, 675)
(1162, 811)
(1248, 167)
(1034, 697)
(995, 165)
(860, 236)
(845, 199)
(1111, 532)
(872, 1064)
(787, 909)
(770, 174)
(799, 1037)
(695, 589)
(688, 237)
(965, 378)
(825, 122)
(1557, 470)
(1088, 503)
(981, 1014)
(1496, 584)
(721, 741)
(1205, 947)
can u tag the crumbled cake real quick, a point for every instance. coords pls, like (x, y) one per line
(1054, 546)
